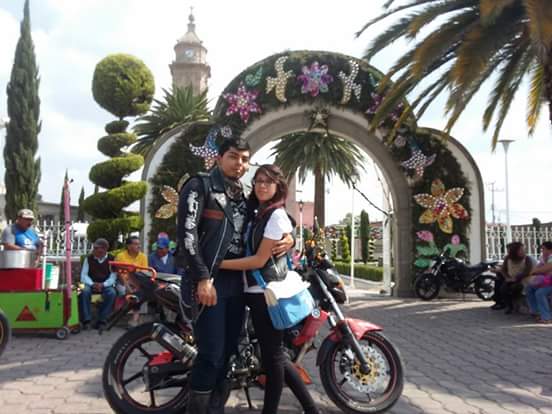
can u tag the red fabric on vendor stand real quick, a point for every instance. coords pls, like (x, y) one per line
(13, 280)
(68, 281)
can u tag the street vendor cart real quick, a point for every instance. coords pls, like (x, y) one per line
(29, 303)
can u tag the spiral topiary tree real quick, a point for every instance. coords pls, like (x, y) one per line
(124, 86)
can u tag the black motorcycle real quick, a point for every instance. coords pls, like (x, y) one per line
(147, 369)
(456, 276)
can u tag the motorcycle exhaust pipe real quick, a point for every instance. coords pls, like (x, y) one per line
(174, 343)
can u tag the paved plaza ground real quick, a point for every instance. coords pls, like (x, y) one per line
(460, 357)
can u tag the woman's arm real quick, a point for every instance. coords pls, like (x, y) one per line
(257, 261)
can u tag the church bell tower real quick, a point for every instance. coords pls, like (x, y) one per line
(190, 65)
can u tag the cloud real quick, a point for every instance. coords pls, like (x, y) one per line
(72, 36)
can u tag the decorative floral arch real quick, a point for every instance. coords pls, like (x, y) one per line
(329, 85)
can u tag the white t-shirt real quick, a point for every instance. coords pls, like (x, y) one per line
(278, 224)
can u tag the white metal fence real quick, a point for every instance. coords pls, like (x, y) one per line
(53, 234)
(532, 237)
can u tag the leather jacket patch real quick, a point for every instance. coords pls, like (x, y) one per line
(213, 214)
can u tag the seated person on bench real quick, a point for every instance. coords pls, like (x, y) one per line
(97, 278)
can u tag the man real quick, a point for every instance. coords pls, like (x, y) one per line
(161, 259)
(211, 217)
(97, 278)
(20, 235)
(132, 254)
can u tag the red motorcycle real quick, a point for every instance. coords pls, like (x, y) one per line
(147, 369)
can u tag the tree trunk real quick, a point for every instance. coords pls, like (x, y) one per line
(319, 197)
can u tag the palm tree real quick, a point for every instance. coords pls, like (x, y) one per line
(323, 155)
(178, 106)
(476, 40)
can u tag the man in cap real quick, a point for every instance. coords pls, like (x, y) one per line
(20, 235)
(97, 278)
(161, 259)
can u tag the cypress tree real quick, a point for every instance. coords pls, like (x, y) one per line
(364, 235)
(61, 206)
(22, 174)
(80, 211)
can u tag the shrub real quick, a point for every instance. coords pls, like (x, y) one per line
(123, 85)
(111, 145)
(110, 173)
(109, 204)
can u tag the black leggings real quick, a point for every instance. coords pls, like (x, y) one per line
(277, 365)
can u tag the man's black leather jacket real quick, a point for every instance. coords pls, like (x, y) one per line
(205, 224)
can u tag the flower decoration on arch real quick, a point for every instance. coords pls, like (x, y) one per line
(349, 84)
(280, 81)
(441, 206)
(315, 79)
(243, 102)
(209, 150)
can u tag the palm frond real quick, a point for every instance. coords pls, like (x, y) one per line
(536, 96)
(491, 9)
(442, 41)
(177, 107)
(391, 12)
(506, 76)
(509, 94)
(480, 45)
(432, 12)
(386, 38)
(539, 13)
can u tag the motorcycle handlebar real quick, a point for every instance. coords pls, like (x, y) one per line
(132, 268)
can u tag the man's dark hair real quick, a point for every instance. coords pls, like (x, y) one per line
(237, 143)
(547, 245)
(130, 239)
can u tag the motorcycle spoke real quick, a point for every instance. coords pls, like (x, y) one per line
(132, 378)
(152, 396)
(343, 381)
(144, 352)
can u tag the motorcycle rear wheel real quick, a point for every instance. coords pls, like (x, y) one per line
(485, 287)
(126, 393)
(5, 332)
(352, 392)
(427, 286)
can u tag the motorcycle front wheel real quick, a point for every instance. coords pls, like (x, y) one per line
(485, 287)
(427, 286)
(124, 380)
(355, 392)
(5, 332)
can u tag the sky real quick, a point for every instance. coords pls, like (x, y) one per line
(71, 37)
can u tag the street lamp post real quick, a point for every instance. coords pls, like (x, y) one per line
(301, 204)
(505, 144)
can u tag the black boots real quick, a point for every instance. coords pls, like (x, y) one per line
(219, 396)
(198, 402)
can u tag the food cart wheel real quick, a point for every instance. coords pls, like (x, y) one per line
(63, 333)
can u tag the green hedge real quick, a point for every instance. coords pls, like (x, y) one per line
(111, 145)
(123, 85)
(110, 229)
(362, 271)
(115, 127)
(110, 203)
(110, 173)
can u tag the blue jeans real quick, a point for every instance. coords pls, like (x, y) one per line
(108, 296)
(539, 301)
(217, 332)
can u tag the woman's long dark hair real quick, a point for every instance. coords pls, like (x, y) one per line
(513, 251)
(275, 174)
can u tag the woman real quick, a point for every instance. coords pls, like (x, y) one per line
(515, 268)
(268, 223)
(539, 289)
